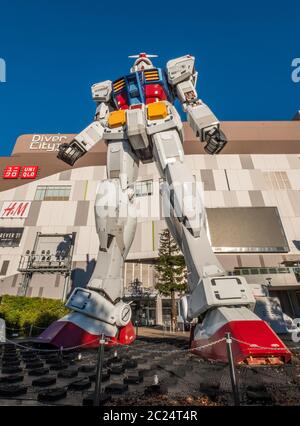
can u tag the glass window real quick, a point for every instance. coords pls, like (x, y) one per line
(40, 193)
(53, 193)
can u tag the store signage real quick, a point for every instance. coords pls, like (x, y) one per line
(15, 209)
(29, 172)
(11, 172)
(41, 143)
(10, 237)
(23, 172)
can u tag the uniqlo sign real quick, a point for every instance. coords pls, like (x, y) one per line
(29, 172)
(15, 209)
(11, 172)
(23, 172)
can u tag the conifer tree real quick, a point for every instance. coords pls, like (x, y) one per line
(170, 271)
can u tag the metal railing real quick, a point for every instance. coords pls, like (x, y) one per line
(44, 263)
(265, 271)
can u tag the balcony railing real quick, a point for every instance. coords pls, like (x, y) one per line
(45, 263)
(266, 271)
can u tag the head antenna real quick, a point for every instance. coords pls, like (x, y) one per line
(142, 55)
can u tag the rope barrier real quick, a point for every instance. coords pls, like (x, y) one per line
(174, 351)
(137, 349)
(111, 341)
(26, 327)
(51, 350)
(16, 329)
(253, 345)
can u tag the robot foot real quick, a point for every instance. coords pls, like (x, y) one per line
(76, 329)
(253, 340)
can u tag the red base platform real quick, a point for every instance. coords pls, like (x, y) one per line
(257, 344)
(69, 335)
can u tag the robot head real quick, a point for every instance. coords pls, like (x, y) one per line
(142, 62)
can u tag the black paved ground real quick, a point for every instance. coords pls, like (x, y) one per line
(151, 371)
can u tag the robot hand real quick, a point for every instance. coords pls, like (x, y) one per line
(70, 153)
(216, 140)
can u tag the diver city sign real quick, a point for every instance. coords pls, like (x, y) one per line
(48, 143)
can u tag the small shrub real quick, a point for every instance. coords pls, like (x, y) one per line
(22, 312)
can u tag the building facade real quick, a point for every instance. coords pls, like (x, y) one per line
(48, 241)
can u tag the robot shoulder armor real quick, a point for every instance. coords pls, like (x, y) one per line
(180, 69)
(101, 92)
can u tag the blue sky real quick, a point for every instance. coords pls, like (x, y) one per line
(55, 50)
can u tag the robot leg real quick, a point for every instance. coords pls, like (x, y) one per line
(98, 309)
(223, 303)
(183, 207)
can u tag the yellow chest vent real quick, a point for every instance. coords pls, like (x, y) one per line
(151, 75)
(119, 85)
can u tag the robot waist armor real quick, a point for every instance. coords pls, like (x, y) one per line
(140, 122)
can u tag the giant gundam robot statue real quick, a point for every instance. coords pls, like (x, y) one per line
(136, 118)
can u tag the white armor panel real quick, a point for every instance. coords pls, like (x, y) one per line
(136, 128)
(167, 148)
(101, 92)
(186, 198)
(91, 135)
(101, 113)
(219, 291)
(201, 119)
(180, 69)
(172, 121)
(114, 212)
(121, 162)
(96, 306)
(91, 325)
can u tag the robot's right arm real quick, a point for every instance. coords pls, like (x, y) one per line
(93, 133)
(182, 77)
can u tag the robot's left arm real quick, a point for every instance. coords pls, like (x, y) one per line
(93, 133)
(183, 77)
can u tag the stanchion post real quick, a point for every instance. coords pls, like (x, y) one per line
(61, 349)
(232, 370)
(30, 330)
(136, 328)
(97, 396)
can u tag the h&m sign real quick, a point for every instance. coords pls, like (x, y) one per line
(15, 209)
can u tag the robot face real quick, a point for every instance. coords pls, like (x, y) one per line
(142, 62)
